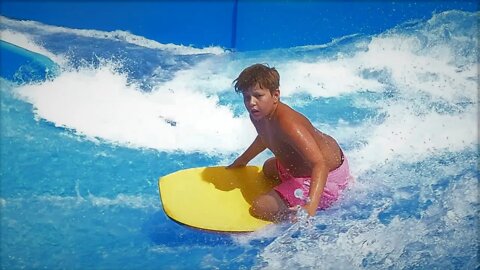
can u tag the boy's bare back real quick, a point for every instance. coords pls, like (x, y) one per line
(284, 134)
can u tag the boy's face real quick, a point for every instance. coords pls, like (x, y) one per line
(259, 102)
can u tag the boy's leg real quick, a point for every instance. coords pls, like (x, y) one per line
(270, 168)
(271, 207)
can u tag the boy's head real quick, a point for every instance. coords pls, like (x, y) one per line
(266, 78)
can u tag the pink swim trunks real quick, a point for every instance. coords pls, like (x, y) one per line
(291, 187)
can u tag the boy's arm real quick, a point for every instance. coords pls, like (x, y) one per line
(252, 151)
(303, 141)
(317, 184)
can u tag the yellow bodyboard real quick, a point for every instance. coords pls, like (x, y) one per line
(214, 198)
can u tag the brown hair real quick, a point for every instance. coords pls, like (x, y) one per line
(266, 77)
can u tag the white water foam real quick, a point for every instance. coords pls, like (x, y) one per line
(368, 243)
(406, 137)
(324, 78)
(100, 104)
(183, 113)
(424, 69)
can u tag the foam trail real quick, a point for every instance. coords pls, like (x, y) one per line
(101, 104)
(119, 35)
(120, 200)
(26, 41)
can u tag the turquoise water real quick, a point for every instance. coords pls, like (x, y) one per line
(82, 149)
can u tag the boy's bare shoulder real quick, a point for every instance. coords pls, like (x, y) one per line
(290, 120)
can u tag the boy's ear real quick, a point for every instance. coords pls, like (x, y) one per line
(276, 95)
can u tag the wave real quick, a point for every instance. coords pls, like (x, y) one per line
(422, 84)
(403, 104)
(408, 239)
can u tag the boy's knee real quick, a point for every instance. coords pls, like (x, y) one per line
(266, 206)
(267, 211)
(258, 204)
(270, 168)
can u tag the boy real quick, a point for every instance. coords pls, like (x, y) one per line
(310, 165)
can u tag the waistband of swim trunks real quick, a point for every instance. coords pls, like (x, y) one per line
(339, 169)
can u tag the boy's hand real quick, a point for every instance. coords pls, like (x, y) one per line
(237, 164)
(295, 213)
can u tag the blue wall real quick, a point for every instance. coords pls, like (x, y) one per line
(258, 24)
(317, 22)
